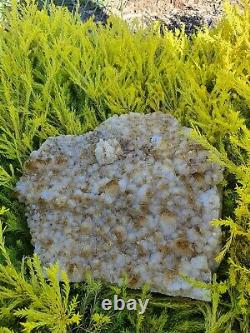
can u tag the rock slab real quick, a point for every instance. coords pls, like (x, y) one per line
(135, 197)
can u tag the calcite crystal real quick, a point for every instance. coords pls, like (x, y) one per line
(134, 197)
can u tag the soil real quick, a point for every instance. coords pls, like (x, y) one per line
(172, 13)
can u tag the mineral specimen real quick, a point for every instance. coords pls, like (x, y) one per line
(135, 197)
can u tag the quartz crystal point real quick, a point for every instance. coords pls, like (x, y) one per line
(134, 197)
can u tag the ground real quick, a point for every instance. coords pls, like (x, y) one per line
(194, 13)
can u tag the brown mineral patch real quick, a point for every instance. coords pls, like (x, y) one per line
(167, 215)
(105, 236)
(120, 233)
(134, 280)
(140, 221)
(144, 207)
(170, 274)
(142, 252)
(164, 249)
(183, 246)
(182, 243)
(197, 228)
(59, 203)
(163, 187)
(48, 242)
(32, 165)
(87, 253)
(61, 160)
(111, 187)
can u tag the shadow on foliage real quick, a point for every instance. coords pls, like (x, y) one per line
(86, 8)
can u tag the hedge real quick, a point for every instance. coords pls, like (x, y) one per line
(61, 76)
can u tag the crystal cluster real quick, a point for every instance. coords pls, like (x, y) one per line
(134, 197)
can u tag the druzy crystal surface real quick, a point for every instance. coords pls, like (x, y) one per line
(134, 197)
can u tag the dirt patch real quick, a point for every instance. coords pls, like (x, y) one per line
(172, 13)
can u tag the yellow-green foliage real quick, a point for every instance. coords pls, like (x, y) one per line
(60, 76)
(43, 303)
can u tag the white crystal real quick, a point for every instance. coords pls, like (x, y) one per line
(135, 196)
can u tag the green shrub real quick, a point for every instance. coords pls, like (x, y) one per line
(60, 76)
